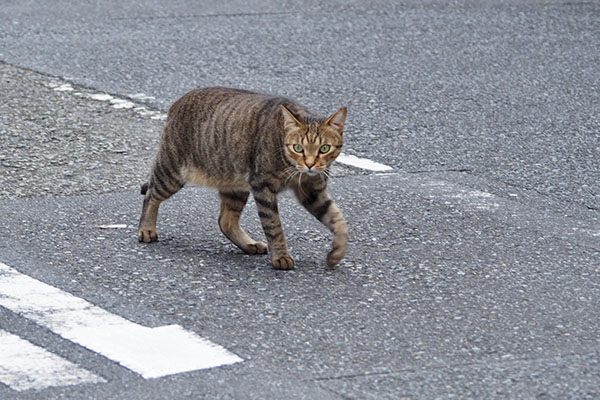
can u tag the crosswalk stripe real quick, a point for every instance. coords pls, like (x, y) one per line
(25, 366)
(151, 352)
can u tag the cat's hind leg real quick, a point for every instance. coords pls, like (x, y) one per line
(147, 227)
(232, 204)
(163, 184)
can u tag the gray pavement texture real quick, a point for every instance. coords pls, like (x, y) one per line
(63, 142)
(473, 267)
(479, 306)
(508, 89)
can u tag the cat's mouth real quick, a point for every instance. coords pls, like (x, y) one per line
(309, 171)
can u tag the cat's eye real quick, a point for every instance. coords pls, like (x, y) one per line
(298, 148)
(325, 148)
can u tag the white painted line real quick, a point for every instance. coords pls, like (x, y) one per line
(113, 226)
(101, 97)
(65, 87)
(151, 352)
(142, 96)
(121, 103)
(117, 102)
(466, 197)
(363, 163)
(159, 116)
(25, 366)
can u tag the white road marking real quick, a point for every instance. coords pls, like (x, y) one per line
(65, 87)
(142, 96)
(101, 97)
(25, 366)
(121, 103)
(363, 163)
(117, 102)
(151, 352)
(468, 198)
(113, 226)
(159, 116)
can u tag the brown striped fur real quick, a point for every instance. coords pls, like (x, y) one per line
(241, 142)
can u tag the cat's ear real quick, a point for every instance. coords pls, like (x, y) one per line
(289, 119)
(338, 119)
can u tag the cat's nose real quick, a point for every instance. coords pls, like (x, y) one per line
(310, 163)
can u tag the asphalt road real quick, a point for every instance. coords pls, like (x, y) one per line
(473, 265)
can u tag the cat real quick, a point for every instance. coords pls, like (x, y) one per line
(239, 142)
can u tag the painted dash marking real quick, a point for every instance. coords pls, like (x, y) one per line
(150, 352)
(363, 163)
(25, 366)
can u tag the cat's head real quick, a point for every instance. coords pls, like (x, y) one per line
(312, 146)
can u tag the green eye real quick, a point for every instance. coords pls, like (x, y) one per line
(298, 148)
(325, 148)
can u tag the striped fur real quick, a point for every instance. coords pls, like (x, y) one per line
(241, 142)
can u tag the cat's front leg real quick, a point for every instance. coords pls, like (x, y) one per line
(319, 203)
(266, 204)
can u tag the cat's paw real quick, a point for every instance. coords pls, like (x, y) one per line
(285, 262)
(338, 249)
(335, 255)
(256, 248)
(147, 235)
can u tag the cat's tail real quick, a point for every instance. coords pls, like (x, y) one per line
(144, 188)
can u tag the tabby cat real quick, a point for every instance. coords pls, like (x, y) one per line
(240, 142)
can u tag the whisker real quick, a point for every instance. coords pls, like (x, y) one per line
(291, 169)
(300, 185)
(289, 178)
(290, 172)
